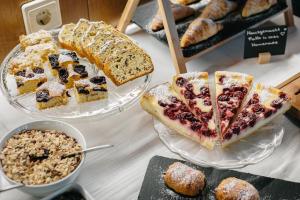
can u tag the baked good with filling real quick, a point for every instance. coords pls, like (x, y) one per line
(66, 36)
(165, 105)
(236, 189)
(42, 50)
(62, 60)
(39, 37)
(67, 75)
(253, 7)
(184, 179)
(179, 12)
(193, 90)
(91, 89)
(199, 30)
(264, 105)
(51, 94)
(217, 9)
(29, 79)
(24, 60)
(231, 91)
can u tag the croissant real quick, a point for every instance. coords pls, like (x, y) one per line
(218, 9)
(179, 12)
(253, 7)
(183, 2)
(200, 29)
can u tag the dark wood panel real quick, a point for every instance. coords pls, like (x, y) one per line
(106, 10)
(11, 24)
(72, 10)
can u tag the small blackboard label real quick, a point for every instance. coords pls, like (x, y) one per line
(265, 39)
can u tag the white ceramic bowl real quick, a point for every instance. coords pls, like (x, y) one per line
(45, 189)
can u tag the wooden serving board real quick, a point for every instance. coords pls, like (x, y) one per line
(154, 187)
(292, 87)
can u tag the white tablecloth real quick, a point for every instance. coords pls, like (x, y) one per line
(118, 173)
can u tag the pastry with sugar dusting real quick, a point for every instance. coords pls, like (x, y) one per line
(28, 79)
(51, 94)
(164, 104)
(63, 59)
(265, 103)
(217, 9)
(199, 30)
(39, 37)
(91, 89)
(231, 91)
(236, 189)
(184, 179)
(193, 90)
(253, 7)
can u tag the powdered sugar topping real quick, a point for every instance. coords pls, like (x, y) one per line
(243, 190)
(64, 58)
(184, 174)
(54, 88)
(162, 93)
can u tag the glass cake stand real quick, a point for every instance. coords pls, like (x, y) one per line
(120, 98)
(250, 150)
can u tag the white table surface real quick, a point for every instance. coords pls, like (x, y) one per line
(118, 173)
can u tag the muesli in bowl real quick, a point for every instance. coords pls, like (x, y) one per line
(35, 155)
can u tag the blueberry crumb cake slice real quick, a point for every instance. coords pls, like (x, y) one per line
(193, 90)
(231, 91)
(28, 79)
(163, 103)
(92, 89)
(265, 103)
(51, 94)
(67, 75)
(62, 59)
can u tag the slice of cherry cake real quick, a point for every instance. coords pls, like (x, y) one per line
(231, 91)
(163, 103)
(193, 90)
(264, 105)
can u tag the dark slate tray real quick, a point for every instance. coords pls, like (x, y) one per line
(153, 187)
(233, 23)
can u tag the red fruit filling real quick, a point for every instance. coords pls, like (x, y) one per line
(177, 110)
(228, 103)
(190, 96)
(251, 113)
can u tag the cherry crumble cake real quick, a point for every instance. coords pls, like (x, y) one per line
(186, 106)
(164, 104)
(231, 91)
(193, 90)
(265, 104)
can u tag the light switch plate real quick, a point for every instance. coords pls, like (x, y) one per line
(41, 14)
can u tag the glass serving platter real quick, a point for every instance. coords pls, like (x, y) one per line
(250, 150)
(120, 98)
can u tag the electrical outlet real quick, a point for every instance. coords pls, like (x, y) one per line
(41, 14)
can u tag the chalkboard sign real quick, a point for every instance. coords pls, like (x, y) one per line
(265, 39)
